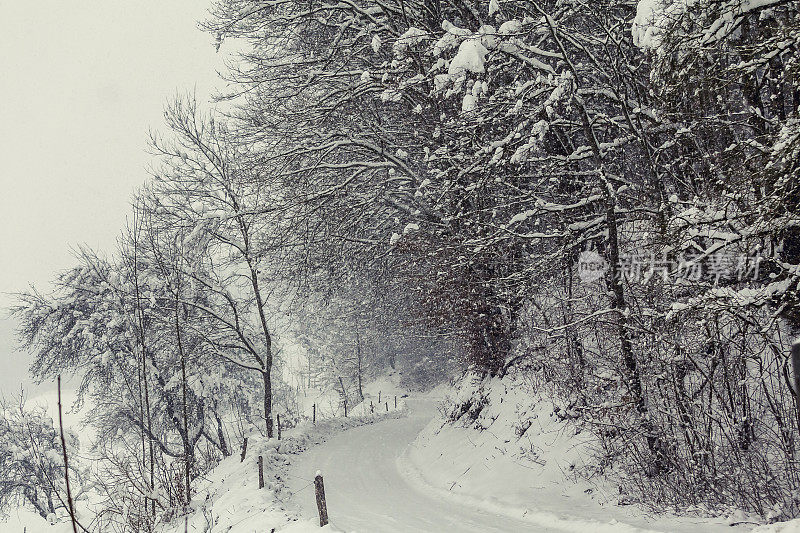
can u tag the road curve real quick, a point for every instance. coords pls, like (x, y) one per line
(367, 494)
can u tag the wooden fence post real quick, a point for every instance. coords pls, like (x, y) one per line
(260, 472)
(314, 415)
(395, 402)
(344, 395)
(322, 506)
(244, 450)
(279, 426)
(371, 407)
(379, 396)
(387, 407)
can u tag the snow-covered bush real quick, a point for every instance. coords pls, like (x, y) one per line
(31, 460)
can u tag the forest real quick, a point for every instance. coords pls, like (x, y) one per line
(598, 198)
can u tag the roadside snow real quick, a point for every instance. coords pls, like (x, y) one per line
(229, 498)
(366, 492)
(386, 472)
(524, 465)
(792, 526)
(28, 521)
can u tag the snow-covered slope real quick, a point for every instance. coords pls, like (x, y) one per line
(229, 498)
(515, 467)
(367, 493)
(24, 520)
(792, 526)
(377, 393)
(524, 464)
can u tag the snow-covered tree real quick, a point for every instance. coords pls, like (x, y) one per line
(31, 460)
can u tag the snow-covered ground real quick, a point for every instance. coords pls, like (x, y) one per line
(529, 477)
(414, 474)
(378, 393)
(792, 526)
(406, 470)
(366, 492)
(25, 520)
(229, 499)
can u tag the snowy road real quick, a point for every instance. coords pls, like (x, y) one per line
(366, 492)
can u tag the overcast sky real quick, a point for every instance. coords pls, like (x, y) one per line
(80, 85)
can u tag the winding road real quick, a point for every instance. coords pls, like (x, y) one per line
(366, 493)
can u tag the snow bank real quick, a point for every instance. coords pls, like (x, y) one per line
(792, 526)
(510, 454)
(30, 522)
(229, 498)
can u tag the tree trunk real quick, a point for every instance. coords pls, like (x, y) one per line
(344, 395)
(267, 365)
(795, 358)
(633, 376)
(31, 496)
(223, 444)
(187, 449)
(267, 401)
(634, 380)
(360, 370)
(139, 313)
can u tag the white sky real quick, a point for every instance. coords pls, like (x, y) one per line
(80, 84)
